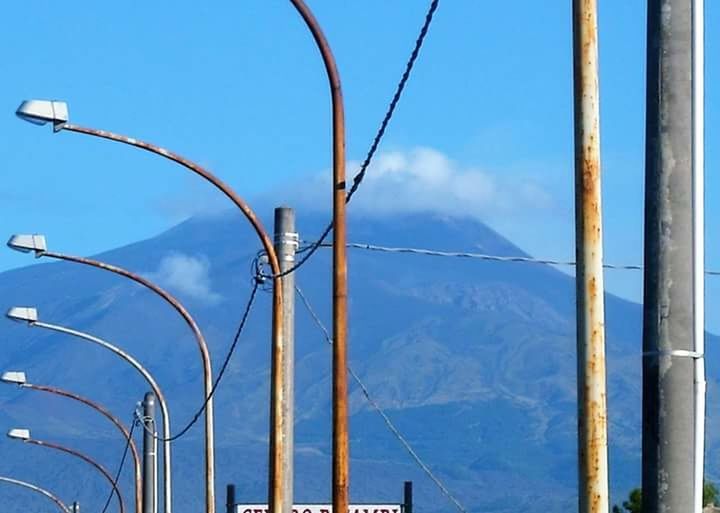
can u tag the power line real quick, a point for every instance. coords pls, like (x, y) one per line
(382, 413)
(360, 175)
(119, 470)
(243, 321)
(483, 256)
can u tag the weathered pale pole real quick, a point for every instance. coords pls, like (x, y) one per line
(591, 386)
(670, 289)
(286, 243)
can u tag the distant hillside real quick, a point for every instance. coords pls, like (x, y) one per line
(474, 361)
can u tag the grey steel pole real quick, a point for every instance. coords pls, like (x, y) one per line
(149, 500)
(669, 310)
(286, 243)
(591, 380)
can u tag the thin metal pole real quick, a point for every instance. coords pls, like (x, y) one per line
(112, 418)
(276, 441)
(149, 501)
(230, 499)
(204, 356)
(286, 243)
(76, 507)
(591, 380)
(698, 172)
(408, 497)
(60, 504)
(670, 275)
(341, 464)
(86, 459)
(167, 472)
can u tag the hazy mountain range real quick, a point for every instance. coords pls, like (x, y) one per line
(474, 362)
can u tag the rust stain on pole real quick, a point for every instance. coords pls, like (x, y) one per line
(592, 399)
(112, 418)
(275, 499)
(340, 471)
(86, 459)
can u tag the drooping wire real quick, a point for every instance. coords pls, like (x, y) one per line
(483, 256)
(226, 361)
(380, 411)
(113, 490)
(360, 175)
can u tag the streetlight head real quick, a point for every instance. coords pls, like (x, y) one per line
(28, 243)
(15, 377)
(19, 434)
(39, 112)
(22, 313)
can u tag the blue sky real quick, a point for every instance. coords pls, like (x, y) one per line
(238, 86)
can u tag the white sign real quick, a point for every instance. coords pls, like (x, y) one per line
(323, 508)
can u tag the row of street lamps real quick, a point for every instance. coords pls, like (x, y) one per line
(56, 112)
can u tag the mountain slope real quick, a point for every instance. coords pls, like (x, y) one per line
(474, 361)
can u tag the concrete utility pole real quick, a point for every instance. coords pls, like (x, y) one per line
(149, 501)
(591, 381)
(670, 295)
(286, 243)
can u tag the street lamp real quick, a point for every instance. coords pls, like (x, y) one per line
(277, 419)
(38, 245)
(341, 464)
(23, 435)
(40, 112)
(60, 504)
(30, 315)
(19, 378)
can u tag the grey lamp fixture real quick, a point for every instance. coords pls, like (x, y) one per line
(19, 434)
(40, 112)
(14, 377)
(23, 314)
(28, 243)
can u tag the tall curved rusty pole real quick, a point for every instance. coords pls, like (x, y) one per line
(112, 418)
(60, 504)
(55, 112)
(37, 244)
(340, 415)
(26, 439)
(591, 386)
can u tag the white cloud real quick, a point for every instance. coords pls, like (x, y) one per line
(187, 275)
(426, 180)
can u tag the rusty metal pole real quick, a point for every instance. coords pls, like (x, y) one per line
(86, 459)
(591, 380)
(669, 315)
(275, 470)
(204, 357)
(341, 464)
(112, 418)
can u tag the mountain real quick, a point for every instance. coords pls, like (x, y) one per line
(474, 362)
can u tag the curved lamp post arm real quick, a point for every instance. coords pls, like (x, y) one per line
(112, 418)
(202, 345)
(154, 387)
(86, 459)
(277, 420)
(37, 489)
(340, 415)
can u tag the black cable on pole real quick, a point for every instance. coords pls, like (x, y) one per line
(119, 470)
(358, 178)
(243, 321)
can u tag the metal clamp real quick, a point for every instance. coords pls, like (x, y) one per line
(682, 353)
